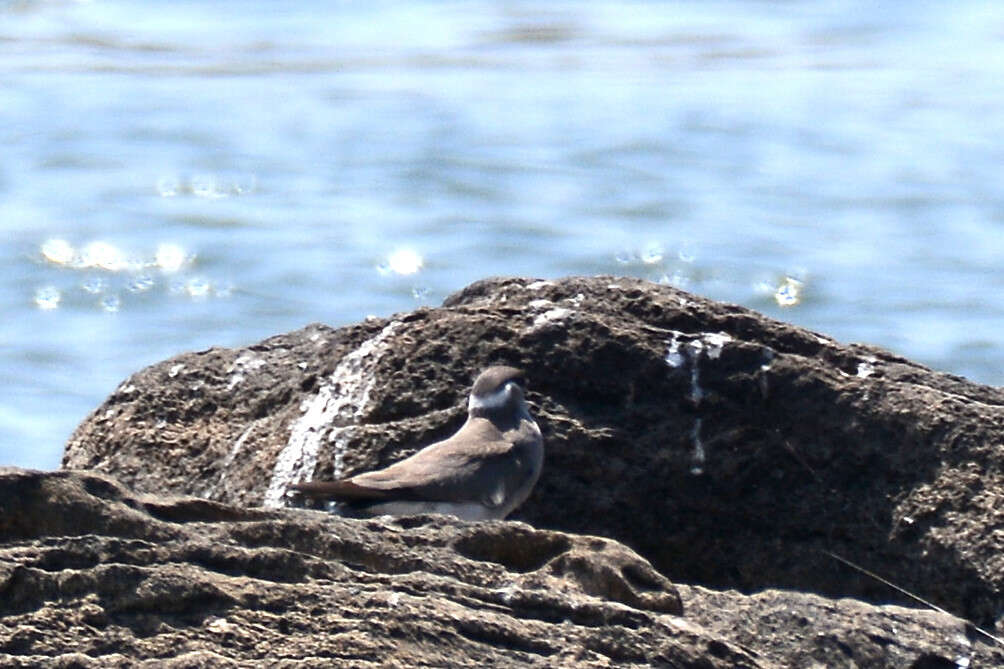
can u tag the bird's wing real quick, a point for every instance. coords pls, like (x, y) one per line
(475, 465)
(343, 490)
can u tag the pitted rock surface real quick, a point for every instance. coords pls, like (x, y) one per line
(94, 575)
(134, 578)
(729, 449)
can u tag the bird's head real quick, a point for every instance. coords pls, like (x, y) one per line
(497, 390)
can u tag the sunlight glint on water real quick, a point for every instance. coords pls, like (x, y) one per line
(211, 174)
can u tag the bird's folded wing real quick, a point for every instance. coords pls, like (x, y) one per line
(447, 471)
(455, 475)
(344, 490)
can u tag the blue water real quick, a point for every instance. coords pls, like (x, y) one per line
(180, 175)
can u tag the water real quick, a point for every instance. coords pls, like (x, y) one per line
(182, 175)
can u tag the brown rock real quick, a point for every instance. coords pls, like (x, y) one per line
(145, 578)
(729, 449)
(180, 582)
(803, 630)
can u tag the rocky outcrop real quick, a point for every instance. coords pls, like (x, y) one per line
(132, 577)
(730, 450)
(93, 575)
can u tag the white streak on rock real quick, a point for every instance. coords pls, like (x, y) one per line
(229, 458)
(537, 285)
(694, 349)
(710, 343)
(238, 445)
(715, 343)
(553, 313)
(696, 391)
(768, 360)
(336, 408)
(245, 363)
(698, 455)
(673, 356)
(867, 367)
(551, 316)
(678, 354)
(339, 438)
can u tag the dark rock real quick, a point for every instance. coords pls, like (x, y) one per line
(212, 584)
(802, 630)
(154, 581)
(729, 449)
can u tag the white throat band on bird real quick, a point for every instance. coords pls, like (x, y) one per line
(484, 471)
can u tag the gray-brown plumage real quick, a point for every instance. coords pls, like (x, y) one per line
(485, 470)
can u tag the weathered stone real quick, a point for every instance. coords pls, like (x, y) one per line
(151, 578)
(802, 630)
(729, 449)
(178, 582)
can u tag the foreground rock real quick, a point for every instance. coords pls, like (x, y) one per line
(92, 575)
(88, 567)
(729, 449)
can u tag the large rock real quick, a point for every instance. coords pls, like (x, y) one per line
(729, 449)
(132, 577)
(93, 575)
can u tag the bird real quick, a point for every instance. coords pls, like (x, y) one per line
(484, 471)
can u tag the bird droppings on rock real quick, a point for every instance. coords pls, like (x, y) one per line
(337, 406)
(802, 454)
(551, 317)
